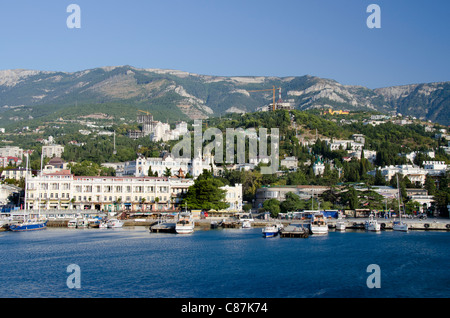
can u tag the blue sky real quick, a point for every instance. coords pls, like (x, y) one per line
(325, 38)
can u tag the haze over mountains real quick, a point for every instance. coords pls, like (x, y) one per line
(174, 95)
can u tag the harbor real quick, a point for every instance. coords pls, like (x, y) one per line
(133, 262)
(432, 224)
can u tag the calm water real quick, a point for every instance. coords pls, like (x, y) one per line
(238, 263)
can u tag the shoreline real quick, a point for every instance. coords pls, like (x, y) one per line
(351, 223)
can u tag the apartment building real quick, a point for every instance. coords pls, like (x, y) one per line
(51, 151)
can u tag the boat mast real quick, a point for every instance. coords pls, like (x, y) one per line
(398, 190)
(39, 186)
(26, 181)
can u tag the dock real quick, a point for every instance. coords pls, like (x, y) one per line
(300, 230)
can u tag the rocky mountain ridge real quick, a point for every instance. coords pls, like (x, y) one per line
(183, 95)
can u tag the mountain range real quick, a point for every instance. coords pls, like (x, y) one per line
(120, 91)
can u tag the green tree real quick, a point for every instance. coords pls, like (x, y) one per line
(291, 203)
(379, 179)
(272, 206)
(206, 194)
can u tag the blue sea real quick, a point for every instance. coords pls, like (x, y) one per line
(131, 262)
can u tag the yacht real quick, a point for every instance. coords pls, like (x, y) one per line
(114, 223)
(399, 225)
(340, 223)
(372, 224)
(72, 223)
(318, 224)
(185, 225)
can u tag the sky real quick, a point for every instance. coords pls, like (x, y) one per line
(325, 38)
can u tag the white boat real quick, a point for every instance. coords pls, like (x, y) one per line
(114, 223)
(185, 225)
(372, 224)
(72, 223)
(29, 225)
(399, 225)
(103, 225)
(340, 223)
(83, 223)
(272, 230)
(318, 224)
(246, 224)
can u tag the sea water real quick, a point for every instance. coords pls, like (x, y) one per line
(132, 262)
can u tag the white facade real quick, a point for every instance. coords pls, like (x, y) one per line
(140, 166)
(11, 151)
(289, 162)
(435, 167)
(345, 144)
(318, 167)
(234, 197)
(63, 190)
(160, 132)
(52, 151)
(414, 173)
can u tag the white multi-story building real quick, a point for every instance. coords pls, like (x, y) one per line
(233, 197)
(194, 167)
(290, 163)
(160, 132)
(370, 155)
(414, 173)
(345, 145)
(11, 151)
(51, 151)
(63, 190)
(435, 167)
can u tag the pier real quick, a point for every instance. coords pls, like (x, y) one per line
(300, 230)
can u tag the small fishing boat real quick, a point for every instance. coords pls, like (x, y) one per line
(271, 230)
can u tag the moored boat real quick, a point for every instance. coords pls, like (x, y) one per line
(372, 224)
(114, 223)
(318, 224)
(185, 225)
(271, 230)
(72, 223)
(340, 223)
(399, 225)
(29, 225)
(246, 224)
